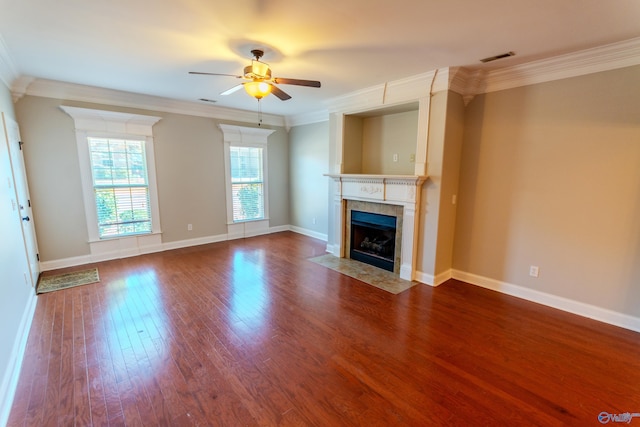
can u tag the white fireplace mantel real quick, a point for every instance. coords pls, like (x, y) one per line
(390, 189)
(402, 190)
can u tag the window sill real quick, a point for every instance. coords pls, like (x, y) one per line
(128, 236)
(247, 220)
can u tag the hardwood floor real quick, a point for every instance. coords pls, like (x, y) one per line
(249, 332)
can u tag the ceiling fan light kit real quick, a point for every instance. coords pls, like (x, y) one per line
(258, 89)
(260, 82)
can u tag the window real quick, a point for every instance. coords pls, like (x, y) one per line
(247, 183)
(120, 186)
(117, 168)
(245, 158)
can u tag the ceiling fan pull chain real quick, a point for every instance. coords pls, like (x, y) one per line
(259, 113)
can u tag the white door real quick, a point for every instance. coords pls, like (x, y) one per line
(24, 200)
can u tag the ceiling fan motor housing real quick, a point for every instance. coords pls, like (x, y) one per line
(257, 70)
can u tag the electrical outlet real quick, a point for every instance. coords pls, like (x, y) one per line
(534, 271)
(454, 199)
(314, 220)
(395, 157)
(412, 158)
(189, 227)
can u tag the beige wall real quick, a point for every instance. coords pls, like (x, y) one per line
(550, 176)
(386, 135)
(309, 148)
(278, 155)
(352, 145)
(189, 168)
(51, 160)
(370, 143)
(451, 152)
(189, 152)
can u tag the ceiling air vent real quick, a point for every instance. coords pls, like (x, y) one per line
(496, 57)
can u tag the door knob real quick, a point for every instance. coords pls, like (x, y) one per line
(26, 218)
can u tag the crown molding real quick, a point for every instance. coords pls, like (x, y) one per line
(588, 61)
(306, 118)
(388, 94)
(465, 81)
(471, 82)
(74, 92)
(410, 88)
(8, 71)
(441, 79)
(358, 100)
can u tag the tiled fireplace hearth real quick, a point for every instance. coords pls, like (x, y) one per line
(393, 195)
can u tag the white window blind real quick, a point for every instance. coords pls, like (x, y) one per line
(121, 186)
(247, 183)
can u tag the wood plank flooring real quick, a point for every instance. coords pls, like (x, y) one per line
(250, 333)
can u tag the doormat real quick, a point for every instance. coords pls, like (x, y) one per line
(374, 276)
(67, 280)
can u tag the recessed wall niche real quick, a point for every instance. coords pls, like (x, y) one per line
(381, 142)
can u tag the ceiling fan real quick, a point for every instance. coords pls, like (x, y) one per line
(260, 82)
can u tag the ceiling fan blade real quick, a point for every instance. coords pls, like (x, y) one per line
(215, 74)
(297, 82)
(280, 93)
(233, 89)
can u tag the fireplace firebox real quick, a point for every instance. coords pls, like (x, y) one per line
(373, 239)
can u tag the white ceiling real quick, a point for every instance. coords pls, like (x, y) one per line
(148, 46)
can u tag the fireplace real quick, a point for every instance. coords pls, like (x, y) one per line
(391, 195)
(373, 239)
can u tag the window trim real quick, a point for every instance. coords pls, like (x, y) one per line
(109, 124)
(263, 183)
(241, 136)
(146, 185)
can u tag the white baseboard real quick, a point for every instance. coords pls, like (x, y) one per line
(405, 272)
(279, 229)
(309, 233)
(431, 280)
(443, 277)
(141, 250)
(65, 262)
(582, 309)
(12, 374)
(333, 249)
(195, 242)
